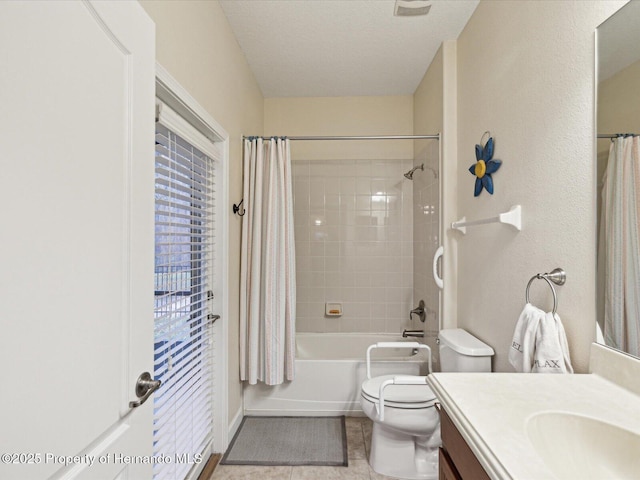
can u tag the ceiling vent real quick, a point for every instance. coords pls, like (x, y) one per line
(411, 8)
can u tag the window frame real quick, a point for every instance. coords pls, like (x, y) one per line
(191, 121)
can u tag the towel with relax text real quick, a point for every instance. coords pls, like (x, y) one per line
(524, 339)
(552, 350)
(539, 343)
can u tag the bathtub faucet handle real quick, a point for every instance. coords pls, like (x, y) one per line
(420, 311)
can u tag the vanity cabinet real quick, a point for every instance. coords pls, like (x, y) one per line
(456, 460)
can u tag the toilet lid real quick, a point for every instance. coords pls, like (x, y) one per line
(401, 396)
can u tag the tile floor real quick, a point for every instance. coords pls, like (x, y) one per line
(358, 442)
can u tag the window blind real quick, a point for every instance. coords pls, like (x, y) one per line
(183, 356)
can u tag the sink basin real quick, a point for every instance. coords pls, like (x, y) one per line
(579, 447)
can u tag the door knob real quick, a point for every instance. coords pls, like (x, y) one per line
(145, 386)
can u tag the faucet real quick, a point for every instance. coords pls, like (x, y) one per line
(419, 310)
(412, 333)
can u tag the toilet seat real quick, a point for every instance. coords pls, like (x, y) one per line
(398, 396)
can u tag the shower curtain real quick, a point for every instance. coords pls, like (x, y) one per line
(621, 245)
(267, 276)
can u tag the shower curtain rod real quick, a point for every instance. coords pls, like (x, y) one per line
(364, 137)
(616, 135)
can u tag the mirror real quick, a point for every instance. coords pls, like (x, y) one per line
(618, 111)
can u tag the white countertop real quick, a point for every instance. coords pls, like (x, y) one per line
(491, 410)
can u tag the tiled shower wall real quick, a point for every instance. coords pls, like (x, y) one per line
(354, 244)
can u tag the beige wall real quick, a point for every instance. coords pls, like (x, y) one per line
(526, 73)
(428, 102)
(195, 44)
(619, 101)
(390, 115)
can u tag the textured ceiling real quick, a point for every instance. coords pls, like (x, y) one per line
(321, 48)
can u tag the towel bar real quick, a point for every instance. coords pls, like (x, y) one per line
(557, 276)
(513, 217)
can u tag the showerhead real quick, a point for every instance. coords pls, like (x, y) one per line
(409, 174)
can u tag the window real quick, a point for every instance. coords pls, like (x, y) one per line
(183, 423)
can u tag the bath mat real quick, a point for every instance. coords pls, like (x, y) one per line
(289, 441)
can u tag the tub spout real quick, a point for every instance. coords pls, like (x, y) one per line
(412, 333)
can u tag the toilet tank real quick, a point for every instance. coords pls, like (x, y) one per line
(462, 352)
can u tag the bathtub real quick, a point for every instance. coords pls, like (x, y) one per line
(330, 368)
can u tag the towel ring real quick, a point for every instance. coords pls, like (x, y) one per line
(557, 276)
(553, 290)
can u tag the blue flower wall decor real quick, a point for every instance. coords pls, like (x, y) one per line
(484, 167)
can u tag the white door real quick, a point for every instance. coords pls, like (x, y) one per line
(76, 243)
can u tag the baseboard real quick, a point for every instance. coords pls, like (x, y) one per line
(235, 423)
(210, 466)
(259, 412)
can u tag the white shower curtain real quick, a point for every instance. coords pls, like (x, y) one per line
(621, 245)
(267, 277)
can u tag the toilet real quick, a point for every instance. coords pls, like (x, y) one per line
(406, 428)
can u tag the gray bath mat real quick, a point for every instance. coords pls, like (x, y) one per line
(289, 441)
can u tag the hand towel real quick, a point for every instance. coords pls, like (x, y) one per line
(524, 338)
(551, 349)
(562, 337)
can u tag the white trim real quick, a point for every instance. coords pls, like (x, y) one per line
(221, 413)
(197, 469)
(180, 102)
(235, 423)
(319, 411)
(448, 186)
(175, 122)
(176, 96)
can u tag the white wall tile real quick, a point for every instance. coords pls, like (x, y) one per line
(354, 244)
